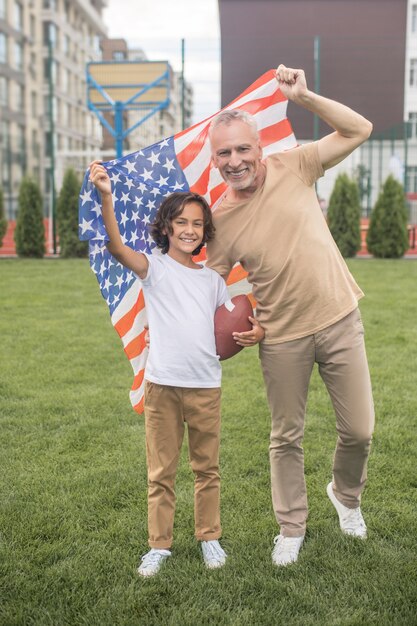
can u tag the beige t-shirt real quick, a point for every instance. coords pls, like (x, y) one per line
(299, 278)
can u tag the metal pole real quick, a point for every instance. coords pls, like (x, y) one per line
(52, 142)
(405, 181)
(9, 173)
(380, 163)
(182, 84)
(368, 206)
(118, 127)
(316, 81)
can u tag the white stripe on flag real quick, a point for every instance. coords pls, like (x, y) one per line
(263, 91)
(128, 301)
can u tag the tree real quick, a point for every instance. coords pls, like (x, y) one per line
(67, 214)
(29, 234)
(387, 234)
(3, 221)
(362, 176)
(343, 215)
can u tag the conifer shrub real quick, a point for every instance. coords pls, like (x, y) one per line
(3, 221)
(67, 217)
(387, 235)
(343, 215)
(29, 234)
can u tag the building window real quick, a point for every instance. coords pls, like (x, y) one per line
(413, 72)
(412, 124)
(49, 33)
(47, 174)
(3, 48)
(32, 66)
(2, 8)
(35, 144)
(33, 101)
(18, 16)
(119, 55)
(47, 108)
(53, 64)
(20, 98)
(49, 4)
(18, 55)
(411, 174)
(65, 80)
(414, 18)
(48, 146)
(4, 91)
(66, 45)
(21, 139)
(32, 27)
(96, 45)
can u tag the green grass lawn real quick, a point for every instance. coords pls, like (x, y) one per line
(73, 475)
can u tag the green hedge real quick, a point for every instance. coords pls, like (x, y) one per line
(387, 234)
(3, 221)
(29, 234)
(343, 216)
(67, 217)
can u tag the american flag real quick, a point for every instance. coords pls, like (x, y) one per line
(139, 183)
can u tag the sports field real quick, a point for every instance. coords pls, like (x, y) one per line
(73, 475)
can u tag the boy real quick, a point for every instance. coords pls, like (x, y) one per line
(183, 372)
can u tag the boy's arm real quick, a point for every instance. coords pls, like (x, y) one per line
(135, 261)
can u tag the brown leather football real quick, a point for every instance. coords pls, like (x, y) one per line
(231, 317)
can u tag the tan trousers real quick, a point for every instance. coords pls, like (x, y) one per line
(167, 409)
(340, 353)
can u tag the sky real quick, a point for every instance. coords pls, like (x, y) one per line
(158, 27)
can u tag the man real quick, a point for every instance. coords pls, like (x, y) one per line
(307, 301)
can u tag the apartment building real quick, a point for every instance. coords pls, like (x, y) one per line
(162, 123)
(44, 47)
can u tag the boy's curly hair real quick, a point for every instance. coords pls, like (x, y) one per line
(170, 208)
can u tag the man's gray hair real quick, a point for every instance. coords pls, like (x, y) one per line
(227, 117)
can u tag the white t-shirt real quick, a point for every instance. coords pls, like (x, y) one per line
(180, 304)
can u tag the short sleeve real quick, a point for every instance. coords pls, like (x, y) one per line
(156, 270)
(217, 258)
(304, 161)
(222, 293)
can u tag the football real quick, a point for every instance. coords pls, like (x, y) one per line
(231, 317)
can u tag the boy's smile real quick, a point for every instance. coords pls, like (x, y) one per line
(187, 233)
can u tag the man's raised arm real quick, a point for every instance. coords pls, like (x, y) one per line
(351, 128)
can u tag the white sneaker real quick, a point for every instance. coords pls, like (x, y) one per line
(351, 520)
(213, 554)
(286, 549)
(151, 562)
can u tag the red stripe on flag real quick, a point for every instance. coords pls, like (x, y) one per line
(202, 256)
(262, 80)
(275, 132)
(254, 106)
(136, 346)
(216, 192)
(125, 323)
(202, 183)
(139, 407)
(193, 149)
(138, 380)
(237, 273)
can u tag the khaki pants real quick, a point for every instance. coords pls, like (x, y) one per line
(167, 409)
(339, 351)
